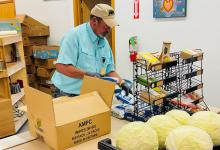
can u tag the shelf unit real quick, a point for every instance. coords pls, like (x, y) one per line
(162, 78)
(11, 118)
(179, 81)
(191, 82)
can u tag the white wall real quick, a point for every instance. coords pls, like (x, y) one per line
(200, 29)
(58, 14)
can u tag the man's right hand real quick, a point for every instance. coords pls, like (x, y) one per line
(93, 74)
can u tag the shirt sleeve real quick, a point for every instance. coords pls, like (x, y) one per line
(69, 50)
(111, 64)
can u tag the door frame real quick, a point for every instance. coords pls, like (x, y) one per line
(78, 16)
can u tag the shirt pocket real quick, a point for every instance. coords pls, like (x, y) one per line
(86, 61)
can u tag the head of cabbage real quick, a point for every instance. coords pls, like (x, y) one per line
(181, 116)
(163, 125)
(137, 136)
(188, 138)
(208, 121)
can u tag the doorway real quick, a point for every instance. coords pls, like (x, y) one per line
(82, 10)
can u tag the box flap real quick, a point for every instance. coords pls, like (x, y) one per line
(70, 109)
(29, 21)
(40, 104)
(103, 87)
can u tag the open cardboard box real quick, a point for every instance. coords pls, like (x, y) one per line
(68, 121)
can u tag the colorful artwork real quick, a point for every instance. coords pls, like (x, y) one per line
(169, 8)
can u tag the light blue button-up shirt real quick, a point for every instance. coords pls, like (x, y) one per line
(82, 48)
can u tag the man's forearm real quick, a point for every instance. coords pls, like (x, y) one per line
(115, 74)
(70, 71)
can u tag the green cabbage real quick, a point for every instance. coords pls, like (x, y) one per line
(181, 116)
(188, 138)
(208, 121)
(163, 125)
(137, 136)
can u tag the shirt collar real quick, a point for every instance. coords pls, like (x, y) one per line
(92, 35)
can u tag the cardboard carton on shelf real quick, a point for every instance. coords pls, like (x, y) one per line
(155, 95)
(152, 62)
(31, 69)
(46, 63)
(32, 31)
(46, 51)
(10, 25)
(45, 73)
(28, 20)
(28, 60)
(65, 122)
(186, 54)
(38, 40)
(45, 89)
(28, 50)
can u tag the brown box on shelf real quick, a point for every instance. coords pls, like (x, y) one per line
(31, 78)
(44, 81)
(31, 69)
(64, 132)
(28, 60)
(34, 85)
(45, 89)
(7, 126)
(30, 41)
(28, 20)
(186, 54)
(28, 50)
(32, 31)
(45, 73)
(154, 98)
(46, 63)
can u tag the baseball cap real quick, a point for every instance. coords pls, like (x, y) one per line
(105, 12)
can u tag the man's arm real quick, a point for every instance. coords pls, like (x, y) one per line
(115, 74)
(70, 70)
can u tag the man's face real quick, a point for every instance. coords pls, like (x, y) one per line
(102, 28)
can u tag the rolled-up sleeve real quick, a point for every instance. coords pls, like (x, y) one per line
(111, 64)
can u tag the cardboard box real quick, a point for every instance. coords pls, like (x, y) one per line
(28, 60)
(38, 40)
(69, 121)
(28, 50)
(186, 54)
(45, 73)
(28, 21)
(10, 25)
(154, 97)
(45, 89)
(31, 69)
(44, 81)
(31, 78)
(32, 31)
(152, 62)
(46, 63)
(46, 51)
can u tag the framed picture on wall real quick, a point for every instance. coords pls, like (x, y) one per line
(169, 8)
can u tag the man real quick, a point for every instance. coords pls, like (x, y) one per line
(85, 51)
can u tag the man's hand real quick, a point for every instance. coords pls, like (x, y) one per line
(94, 74)
(124, 86)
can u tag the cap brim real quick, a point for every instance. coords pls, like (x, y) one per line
(111, 22)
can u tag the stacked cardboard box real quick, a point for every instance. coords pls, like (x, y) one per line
(44, 60)
(39, 56)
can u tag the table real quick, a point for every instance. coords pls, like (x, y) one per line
(90, 145)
